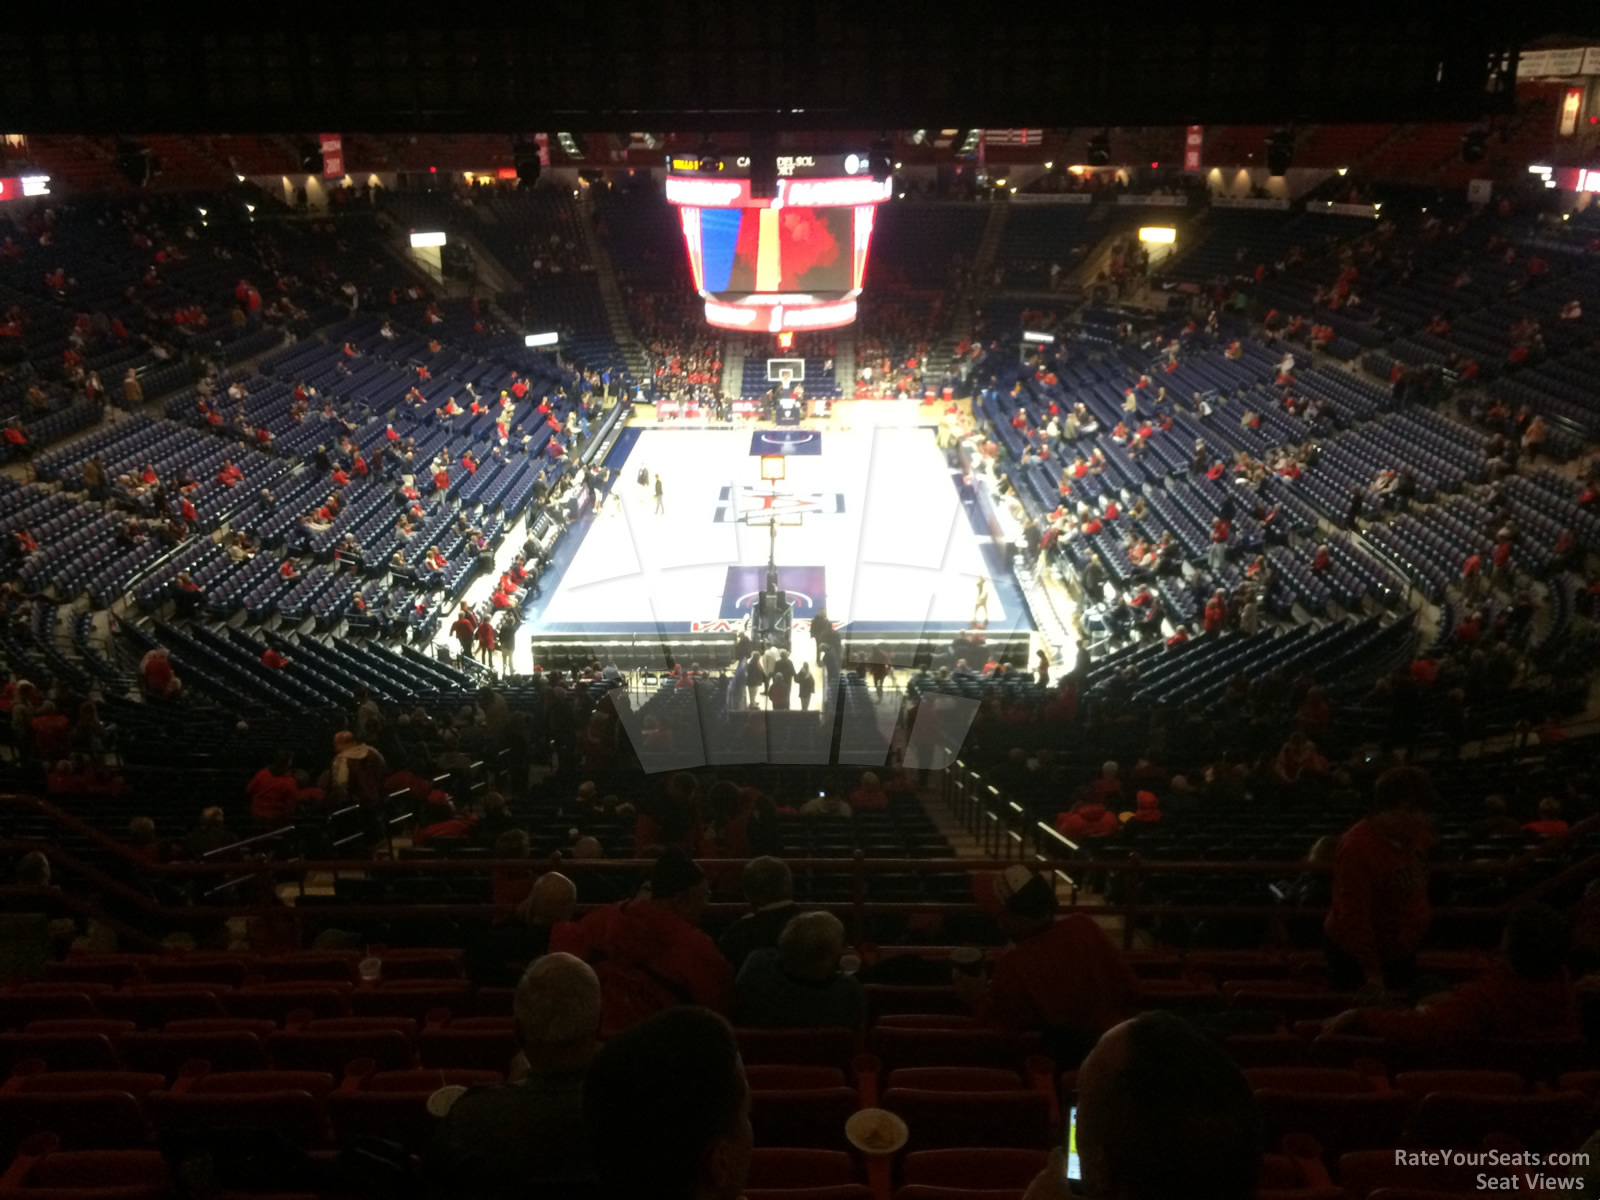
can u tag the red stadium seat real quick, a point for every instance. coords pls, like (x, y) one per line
(421, 964)
(41, 1170)
(1550, 1121)
(939, 1120)
(800, 1047)
(884, 999)
(259, 1026)
(112, 1029)
(135, 1083)
(956, 1079)
(274, 1002)
(23, 1008)
(331, 1051)
(843, 1191)
(1480, 1083)
(897, 1048)
(812, 1117)
(974, 1168)
(1179, 995)
(60, 1051)
(308, 967)
(777, 1168)
(414, 998)
(319, 1084)
(928, 1021)
(1265, 1049)
(400, 1116)
(1365, 1172)
(777, 1077)
(294, 1115)
(115, 970)
(426, 1081)
(467, 1049)
(226, 969)
(1339, 1121)
(153, 1005)
(923, 1191)
(167, 1052)
(94, 1120)
(1323, 1081)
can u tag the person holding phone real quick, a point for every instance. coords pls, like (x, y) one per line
(1161, 1113)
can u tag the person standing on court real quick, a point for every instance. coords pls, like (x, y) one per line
(659, 508)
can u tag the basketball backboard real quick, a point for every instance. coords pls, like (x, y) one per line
(795, 366)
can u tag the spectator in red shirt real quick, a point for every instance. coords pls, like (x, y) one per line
(274, 792)
(273, 659)
(1380, 907)
(649, 952)
(1527, 995)
(1323, 559)
(1216, 614)
(869, 796)
(1550, 823)
(1090, 819)
(1062, 978)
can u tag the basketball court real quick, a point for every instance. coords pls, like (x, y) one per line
(866, 524)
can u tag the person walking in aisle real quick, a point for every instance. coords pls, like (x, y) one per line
(659, 508)
(981, 604)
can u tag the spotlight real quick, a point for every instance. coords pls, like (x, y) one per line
(1099, 151)
(1280, 151)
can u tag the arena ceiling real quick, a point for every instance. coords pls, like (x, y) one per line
(609, 65)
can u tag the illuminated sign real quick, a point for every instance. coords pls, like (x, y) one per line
(1571, 106)
(1038, 339)
(420, 240)
(827, 193)
(21, 187)
(709, 193)
(1588, 180)
(688, 164)
(1163, 235)
(541, 339)
(780, 317)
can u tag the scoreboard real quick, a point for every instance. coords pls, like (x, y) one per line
(792, 259)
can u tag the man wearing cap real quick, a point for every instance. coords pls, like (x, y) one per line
(508, 1140)
(649, 952)
(1062, 978)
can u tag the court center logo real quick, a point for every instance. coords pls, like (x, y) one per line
(757, 504)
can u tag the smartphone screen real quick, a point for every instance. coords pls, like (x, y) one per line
(1069, 1149)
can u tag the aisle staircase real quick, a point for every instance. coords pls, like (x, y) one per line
(611, 296)
(959, 326)
(844, 362)
(733, 352)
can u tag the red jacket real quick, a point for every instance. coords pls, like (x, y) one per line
(1499, 1004)
(1380, 896)
(272, 797)
(649, 959)
(1090, 819)
(1069, 977)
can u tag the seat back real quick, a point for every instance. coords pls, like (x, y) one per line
(941, 1119)
(292, 1115)
(1550, 1121)
(167, 1052)
(798, 1047)
(779, 1167)
(812, 1117)
(243, 1083)
(298, 1051)
(1339, 1122)
(95, 1120)
(896, 1048)
(974, 1167)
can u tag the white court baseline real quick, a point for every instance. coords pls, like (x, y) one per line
(898, 551)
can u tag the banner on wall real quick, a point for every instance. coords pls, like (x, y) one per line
(1155, 201)
(1192, 140)
(24, 186)
(1479, 191)
(1273, 203)
(332, 156)
(1052, 198)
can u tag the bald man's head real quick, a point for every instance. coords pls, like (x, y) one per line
(586, 847)
(557, 1007)
(552, 900)
(1154, 1083)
